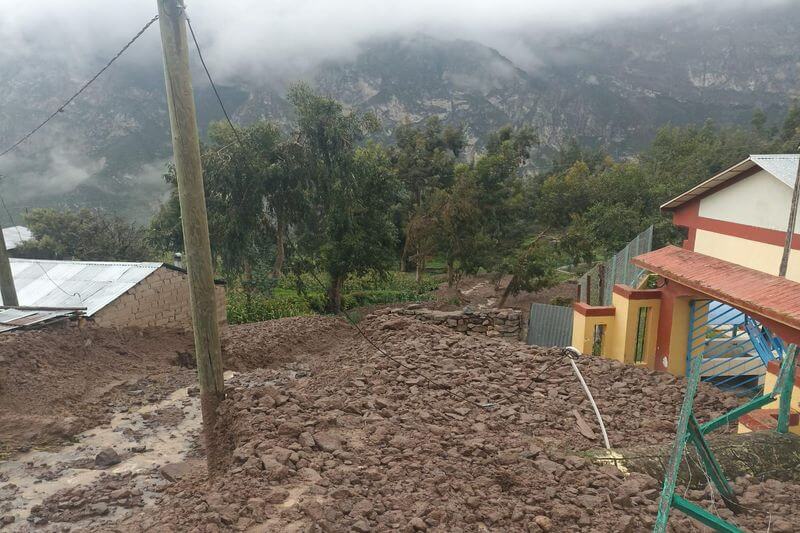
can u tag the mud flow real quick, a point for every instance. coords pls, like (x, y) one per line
(322, 431)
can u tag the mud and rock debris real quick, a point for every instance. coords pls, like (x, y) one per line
(332, 436)
(59, 381)
(359, 443)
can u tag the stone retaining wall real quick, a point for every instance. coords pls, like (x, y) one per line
(490, 322)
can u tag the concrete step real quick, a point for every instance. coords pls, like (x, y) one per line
(766, 419)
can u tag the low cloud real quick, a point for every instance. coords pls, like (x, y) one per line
(58, 166)
(268, 39)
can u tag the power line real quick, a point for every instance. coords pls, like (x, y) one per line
(69, 100)
(211, 81)
(457, 396)
(21, 240)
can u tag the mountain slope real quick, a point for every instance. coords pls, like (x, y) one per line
(612, 86)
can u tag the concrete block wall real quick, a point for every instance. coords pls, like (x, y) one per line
(490, 322)
(159, 300)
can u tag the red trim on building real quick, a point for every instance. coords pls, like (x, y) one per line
(593, 310)
(637, 294)
(766, 419)
(669, 295)
(752, 291)
(773, 367)
(688, 216)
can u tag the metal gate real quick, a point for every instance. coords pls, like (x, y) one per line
(734, 347)
(550, 325)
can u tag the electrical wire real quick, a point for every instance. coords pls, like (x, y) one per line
(85, 86)
(21, 239)
(211, 80)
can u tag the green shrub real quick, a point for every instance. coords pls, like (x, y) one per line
(243, 308)
(562, 301)
(281, 298)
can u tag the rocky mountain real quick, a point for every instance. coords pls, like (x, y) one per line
(612, 86)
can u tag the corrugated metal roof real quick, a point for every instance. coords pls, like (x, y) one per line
(21, 318)
(782, 166)
(89, 284)
(16, 235)
(750, 290)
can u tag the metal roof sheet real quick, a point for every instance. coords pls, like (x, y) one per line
(21, 318)
(16, 235)
(750, 290)
(89, 284)
(782, 166)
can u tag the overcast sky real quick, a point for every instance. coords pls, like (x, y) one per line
(259, 36)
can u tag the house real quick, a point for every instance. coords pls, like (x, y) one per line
(719, 295)
(111, 294)
(741, 214)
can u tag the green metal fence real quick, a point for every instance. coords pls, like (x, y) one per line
(598, 283)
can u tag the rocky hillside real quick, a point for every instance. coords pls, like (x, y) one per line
(611, 86)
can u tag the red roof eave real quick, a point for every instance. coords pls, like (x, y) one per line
(751, 290)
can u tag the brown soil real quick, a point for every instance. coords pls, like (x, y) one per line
(484, 291)
(59, 381)
(329, 434)
(274, 343)
(354, 441)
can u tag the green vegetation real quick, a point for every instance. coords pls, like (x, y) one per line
(87, 234)
(297, 296)
(598, 204)
(320, 218)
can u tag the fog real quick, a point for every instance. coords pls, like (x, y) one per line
(276, 38)
(50, 47)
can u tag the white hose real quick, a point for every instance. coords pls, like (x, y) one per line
(575, 351)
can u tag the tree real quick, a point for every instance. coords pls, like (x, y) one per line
(424, 158)
(237, 170)
(519, 246)
(457, 226)
(285, 192)
(347, 227)
(532, 267)
(254, 181)
(759, 121)
(86, 235)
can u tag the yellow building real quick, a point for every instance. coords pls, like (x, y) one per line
(718, 296)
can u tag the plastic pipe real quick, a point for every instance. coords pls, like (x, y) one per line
(571, 350)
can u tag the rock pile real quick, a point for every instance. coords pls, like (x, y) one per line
(111, 493)
(482, 321)
(360, 442)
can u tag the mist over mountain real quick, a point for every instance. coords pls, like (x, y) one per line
(611, 85)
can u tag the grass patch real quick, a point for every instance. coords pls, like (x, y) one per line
(292, 297)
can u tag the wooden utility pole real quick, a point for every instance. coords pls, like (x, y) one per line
(787, 247)
(7, 289)
(186, 148)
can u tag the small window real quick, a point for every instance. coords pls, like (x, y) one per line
(599, 337)
(641, 335)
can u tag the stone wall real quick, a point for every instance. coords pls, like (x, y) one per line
(161, 299)
(490, 322)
